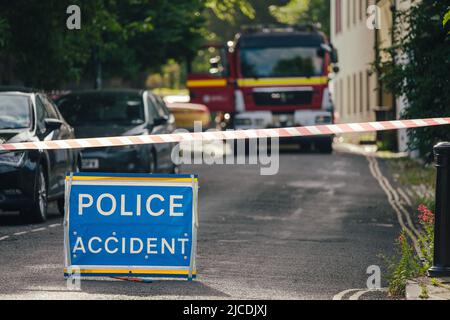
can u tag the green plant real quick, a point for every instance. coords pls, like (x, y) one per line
(418, 69)
(403, 266)
(426, 238)
(424, 292)
(435, 282)
(406, 264)
(446, 20)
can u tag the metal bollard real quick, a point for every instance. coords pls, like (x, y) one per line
(441, 259)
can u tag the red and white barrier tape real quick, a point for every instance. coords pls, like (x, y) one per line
(227, 135)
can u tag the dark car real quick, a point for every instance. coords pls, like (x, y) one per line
(30, 179)
(121, 113)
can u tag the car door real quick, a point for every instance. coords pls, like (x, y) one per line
(60, 157)
(160, 127)
(169, 126)
(66, 132)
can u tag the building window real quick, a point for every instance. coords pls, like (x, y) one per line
(338, 17)
(349, 13)
(361, 90)
(364, 6)
(355, 92)
(336, 97)
(368, 89)
(349, 95)
(341, 97)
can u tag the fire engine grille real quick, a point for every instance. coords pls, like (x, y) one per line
(282, 98)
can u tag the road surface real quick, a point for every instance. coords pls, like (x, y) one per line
(309, 232)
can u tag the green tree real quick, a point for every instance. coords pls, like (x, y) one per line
(128, 38)
(304, 11)
(227, 9)
(446, 21)
(420, 71)
(222, 29)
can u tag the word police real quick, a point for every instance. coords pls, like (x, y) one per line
(154, 205)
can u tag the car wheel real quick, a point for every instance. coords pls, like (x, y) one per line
(61, 206)
(305, 147)
(175, 169)
(152, 164)
(38, 210)
(326, 147)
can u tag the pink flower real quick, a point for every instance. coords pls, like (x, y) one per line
(426, 215)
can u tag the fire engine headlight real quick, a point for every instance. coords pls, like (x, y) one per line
(323, 119)
(14, 159)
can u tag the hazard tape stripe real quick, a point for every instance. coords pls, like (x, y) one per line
(227, 135)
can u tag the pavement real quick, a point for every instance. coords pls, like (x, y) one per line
(424, 289)
(309, 232)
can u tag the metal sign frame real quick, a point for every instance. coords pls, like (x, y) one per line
(131, 271)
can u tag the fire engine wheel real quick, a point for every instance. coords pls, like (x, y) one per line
(325, 146)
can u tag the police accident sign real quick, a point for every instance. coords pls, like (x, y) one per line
(136, 225)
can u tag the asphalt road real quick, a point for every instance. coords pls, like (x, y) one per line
(309, 232)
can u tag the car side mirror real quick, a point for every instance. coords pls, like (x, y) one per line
(52, 124)
(160, 121)
(321, 52)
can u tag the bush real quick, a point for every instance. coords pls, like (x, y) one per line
(419, 69)
(406, 264)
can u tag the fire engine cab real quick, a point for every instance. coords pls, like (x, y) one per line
(270, 77)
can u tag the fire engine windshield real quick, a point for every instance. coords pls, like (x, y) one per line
(281, 62)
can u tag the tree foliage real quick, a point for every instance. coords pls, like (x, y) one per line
(127, 36)
(304, 11)
(419, 70)
(227, 9)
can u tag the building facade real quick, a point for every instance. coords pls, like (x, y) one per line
(360, 30)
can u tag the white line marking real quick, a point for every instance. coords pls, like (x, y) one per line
(4, 238)
(20, 233)
(405, 197)
(393, 200)
(55, 225)
(38, 229)
(359, 294)
(341, 294)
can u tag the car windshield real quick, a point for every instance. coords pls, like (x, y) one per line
(15, 112)
(281, 62)
(102, 109)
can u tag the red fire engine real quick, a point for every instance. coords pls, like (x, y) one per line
(270, 77)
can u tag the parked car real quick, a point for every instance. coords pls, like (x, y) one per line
(186, 114)
(30, 179)
(121, 113)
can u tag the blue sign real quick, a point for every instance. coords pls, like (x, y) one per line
(134, 225)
